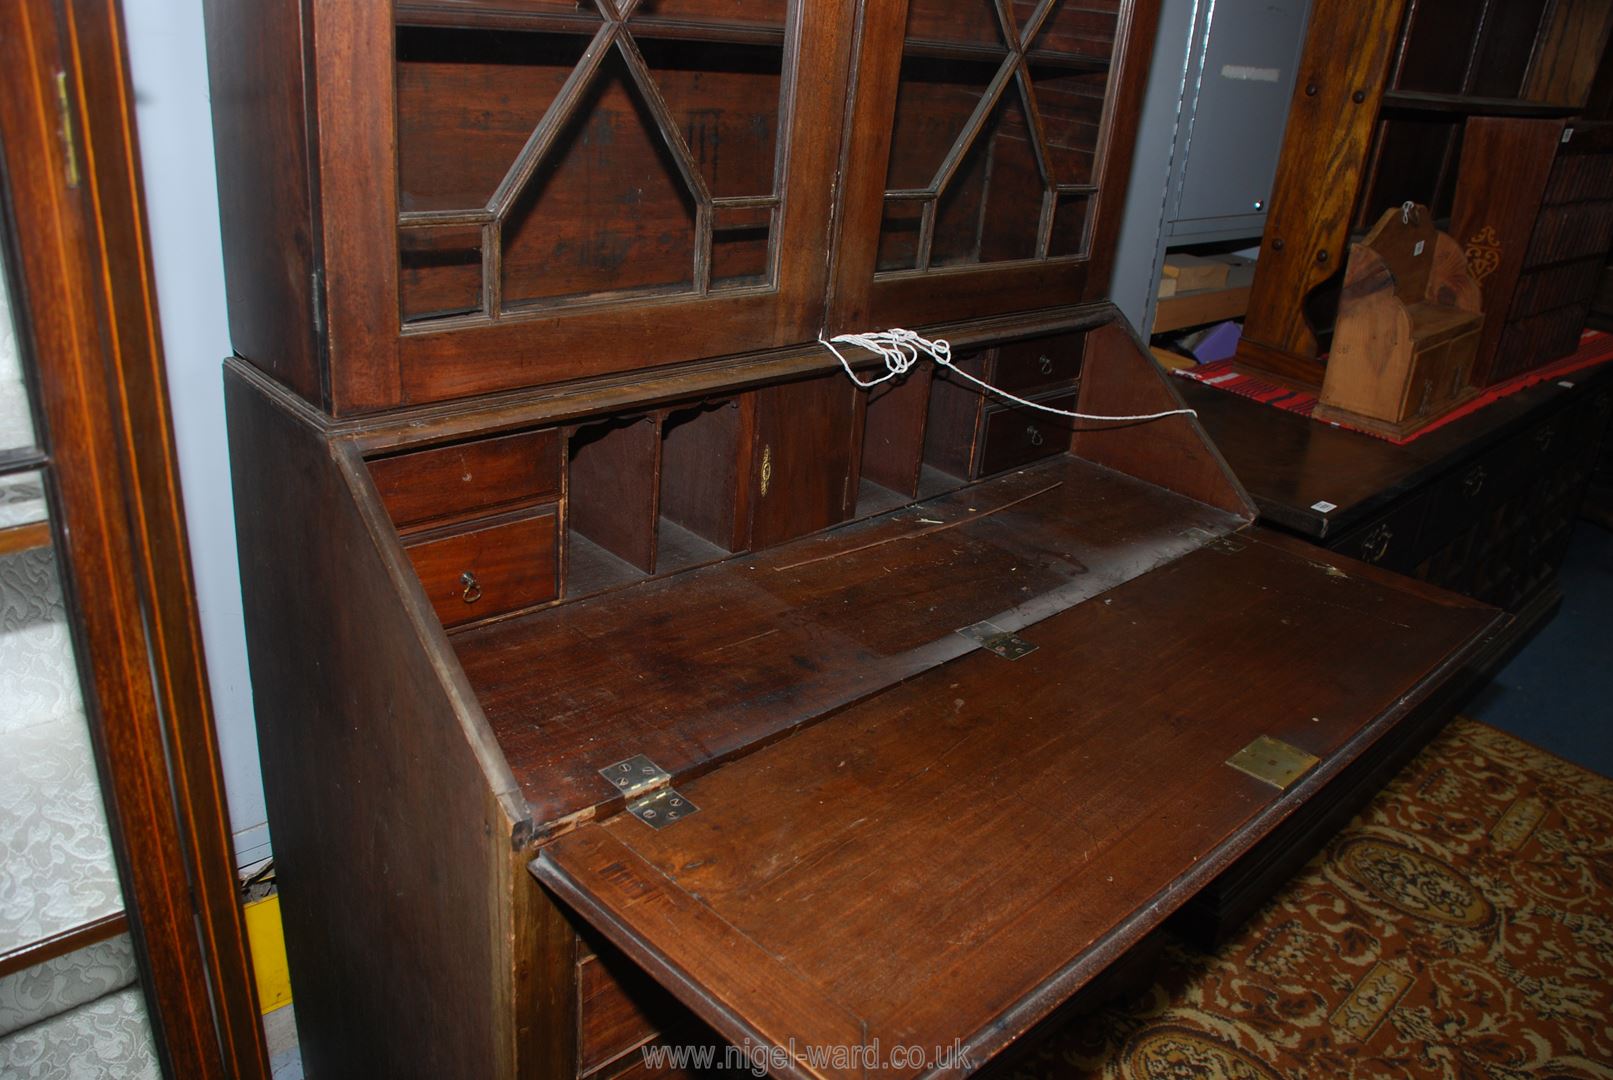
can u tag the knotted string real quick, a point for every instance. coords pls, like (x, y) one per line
(901, 349)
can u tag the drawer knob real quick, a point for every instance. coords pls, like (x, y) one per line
(473, 589)
(1544, 436)
(1473, 482)
(1034, 436)
(1376, 545)
(1046, 363)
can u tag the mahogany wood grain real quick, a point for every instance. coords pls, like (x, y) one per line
(86, 302)
(432, 424)
(802, 477)
(614, 486)
(1121, 379)
(893, 439)
(619, 1008)
(363, 708)
(793, 632)
(489, 567)
(1342, 73)
(704, 452)
(450, 482)
(848, 861)
(355, 143)
(952, 429)
(266, 189)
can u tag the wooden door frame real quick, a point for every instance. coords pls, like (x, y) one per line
(88, 316)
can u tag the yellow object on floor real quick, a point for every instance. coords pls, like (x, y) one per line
(268, 943)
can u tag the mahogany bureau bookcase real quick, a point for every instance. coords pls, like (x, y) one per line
(625, 670)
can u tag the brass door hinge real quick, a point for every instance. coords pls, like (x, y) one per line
(646, 787)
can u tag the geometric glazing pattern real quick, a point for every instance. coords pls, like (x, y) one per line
(999, 116)
(660, 113)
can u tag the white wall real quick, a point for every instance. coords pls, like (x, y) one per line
(168, 61)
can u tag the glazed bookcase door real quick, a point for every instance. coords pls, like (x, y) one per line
(986, 135)
(585, 186)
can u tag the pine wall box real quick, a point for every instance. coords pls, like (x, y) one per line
(121, 947)
(557, 525)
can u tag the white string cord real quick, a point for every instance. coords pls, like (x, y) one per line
(901, 349)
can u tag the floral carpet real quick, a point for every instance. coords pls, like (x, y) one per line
(1460, 927)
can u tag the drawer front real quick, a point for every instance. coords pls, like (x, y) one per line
(1040, 363)
(1580, 178)
(1554, 287)
(1016, 436)
(449, 482)
(1570, 232)
(1392, 541)
(1539, 339)
(489, 568)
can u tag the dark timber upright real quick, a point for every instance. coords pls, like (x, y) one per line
(564, 481)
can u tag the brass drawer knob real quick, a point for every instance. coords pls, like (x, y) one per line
(473, 589)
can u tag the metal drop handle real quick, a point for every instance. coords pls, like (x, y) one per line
(1377, 544)
(1473, 482)
(1034, 435)
(1047, 364)
(473, 589)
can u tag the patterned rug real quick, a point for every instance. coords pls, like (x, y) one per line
(1460, 927)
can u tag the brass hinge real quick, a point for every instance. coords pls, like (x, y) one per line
(646, 787)
(995, 639)
(64, 104)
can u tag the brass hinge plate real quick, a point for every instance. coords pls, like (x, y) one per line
(995, 639)
(662, 808)
(1273, 761)
(645, 786)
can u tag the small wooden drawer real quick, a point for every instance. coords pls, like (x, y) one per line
(1393, 541)
(450, 482)
(1039, 363)
(1015, 435)
(619, 1009)
(493, 566)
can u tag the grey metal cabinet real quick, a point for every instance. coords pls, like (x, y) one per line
(1241, 69)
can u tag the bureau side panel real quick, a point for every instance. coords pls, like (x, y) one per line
(260, 137)
(390, 841)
